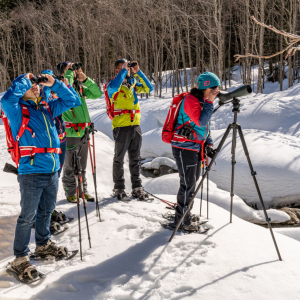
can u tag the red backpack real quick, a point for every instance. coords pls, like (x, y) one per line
(109, 106)
(12, 145)
(171, 121)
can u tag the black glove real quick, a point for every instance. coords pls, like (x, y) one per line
(210, 152)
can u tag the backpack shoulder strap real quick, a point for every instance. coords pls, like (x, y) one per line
(25, 121)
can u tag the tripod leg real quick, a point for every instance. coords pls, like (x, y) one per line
(201, 190)
(202, 179)
(253, 173)
(233, 162)
(78, 208)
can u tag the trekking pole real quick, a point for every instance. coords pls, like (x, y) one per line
(207, 194)
(78, 203)
(82, 195)
(201, 190)
(93, 165)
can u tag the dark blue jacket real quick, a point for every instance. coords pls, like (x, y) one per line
(41, 123)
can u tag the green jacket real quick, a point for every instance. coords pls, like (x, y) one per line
(80, 114)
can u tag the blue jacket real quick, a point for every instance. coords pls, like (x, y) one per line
(58, 121)
(199, 114)
(41, 123)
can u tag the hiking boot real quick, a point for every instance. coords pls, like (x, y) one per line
(89, 198)
(139, 193)
(52, 250)
(72, 199)
(24, 268)
(120, 194)
(195, 218)
(193, 226)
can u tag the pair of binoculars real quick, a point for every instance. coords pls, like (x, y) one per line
(39, 80)
(131, 64)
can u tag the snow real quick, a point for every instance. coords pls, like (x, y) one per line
(131, 257)
(160, 161)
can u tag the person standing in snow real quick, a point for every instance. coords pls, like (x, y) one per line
(76, 120)
(122, 91)
(49, 95)
(189, 140)
(38, 166)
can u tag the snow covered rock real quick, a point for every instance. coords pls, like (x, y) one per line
(160, 161)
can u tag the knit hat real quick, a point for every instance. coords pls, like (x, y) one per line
(208, 80)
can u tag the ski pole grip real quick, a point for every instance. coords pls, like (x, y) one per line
(78, 163)
(87, 133)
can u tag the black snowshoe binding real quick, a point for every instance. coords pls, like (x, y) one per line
(121, 195)
(56, 228)
(50, 251)
(140, 194)
(60, 218)
(23, 271)
(171, 217)
(197, 227)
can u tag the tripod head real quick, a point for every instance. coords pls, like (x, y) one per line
(87, 133)
(236, 105)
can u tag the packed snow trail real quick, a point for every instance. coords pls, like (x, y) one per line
(131, 258)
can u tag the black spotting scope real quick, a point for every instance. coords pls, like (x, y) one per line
(239, 92)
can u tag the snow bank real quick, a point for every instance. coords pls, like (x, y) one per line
(169, 184)
(160, 161)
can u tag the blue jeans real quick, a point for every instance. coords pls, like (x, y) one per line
(38, 198)
(62, 156)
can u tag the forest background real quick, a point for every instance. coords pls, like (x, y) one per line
(161, 35)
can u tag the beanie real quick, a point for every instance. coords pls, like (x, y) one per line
(208, 80)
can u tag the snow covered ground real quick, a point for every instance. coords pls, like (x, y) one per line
(131, 258)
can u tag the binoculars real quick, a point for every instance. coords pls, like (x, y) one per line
(76, 66)
(39, 80)
(239, 92)
(187, 132)
(59, 77)
(131, 64)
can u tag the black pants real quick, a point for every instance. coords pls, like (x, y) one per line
(129, 139)
(68, 179)
(189, 166)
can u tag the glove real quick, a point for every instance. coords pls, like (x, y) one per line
(210, 152)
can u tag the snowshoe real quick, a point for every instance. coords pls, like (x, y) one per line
(171, 217)
(23, 271)
(140, 194)
(50, 251)
(56, 228)
(60, 218)
(121, 195)
(197, 227)
(89, 198)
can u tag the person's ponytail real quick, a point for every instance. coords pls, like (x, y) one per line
(197, 93)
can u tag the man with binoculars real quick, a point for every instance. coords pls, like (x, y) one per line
(76, 120)
(36, 153)
(122, 91)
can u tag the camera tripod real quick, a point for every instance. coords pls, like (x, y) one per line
(235, 127)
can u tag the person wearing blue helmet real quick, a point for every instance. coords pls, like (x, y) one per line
(39, 147)
(49, 95)
(191, 135)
